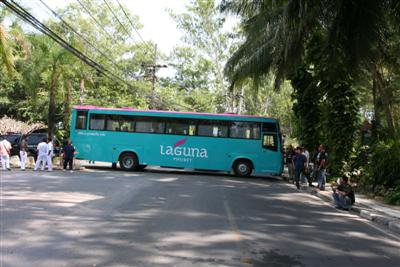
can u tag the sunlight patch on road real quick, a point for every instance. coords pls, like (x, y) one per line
(199, 239)
(167, 180)
(61, 199)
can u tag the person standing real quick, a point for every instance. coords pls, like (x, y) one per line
(5, 152)
(23, 152)
(322, 158)
(289, 162)
(299, 164)
(42, 151)
(305, 173)
(50, 154)
(69, 152)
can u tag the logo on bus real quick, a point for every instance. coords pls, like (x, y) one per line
(183, 153)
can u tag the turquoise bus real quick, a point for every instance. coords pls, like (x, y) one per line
(218, 142)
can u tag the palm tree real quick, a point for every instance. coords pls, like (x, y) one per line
(6, 52)
(327, 38)
(277, 33)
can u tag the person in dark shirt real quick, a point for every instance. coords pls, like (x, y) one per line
(289, 161)
(299, 164)
(69, 152)
(23, 152)
(343, 195)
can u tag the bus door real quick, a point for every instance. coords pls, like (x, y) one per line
(271, 147)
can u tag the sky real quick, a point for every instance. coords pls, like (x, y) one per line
(157, 24)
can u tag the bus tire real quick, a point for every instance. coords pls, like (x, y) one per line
(242, 168)
(129, 162)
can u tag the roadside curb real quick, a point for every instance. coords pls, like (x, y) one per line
(365, 212)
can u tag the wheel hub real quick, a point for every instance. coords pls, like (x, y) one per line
(128, 162)
(242, 168)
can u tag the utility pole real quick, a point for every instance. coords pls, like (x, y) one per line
(153, 78)
(152, 68)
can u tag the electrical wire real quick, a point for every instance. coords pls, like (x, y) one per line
(87, 11)
(116, 17)
(133, 26)
(81, 36)
(25, 15)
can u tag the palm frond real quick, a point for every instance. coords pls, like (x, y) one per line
(6, 50)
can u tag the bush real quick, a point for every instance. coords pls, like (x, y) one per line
(393, 197)
(385, 164)
(357, 168)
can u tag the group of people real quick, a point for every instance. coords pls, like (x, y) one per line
(45, 154)
(305, 167)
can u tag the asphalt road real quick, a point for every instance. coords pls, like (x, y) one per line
(100, 217)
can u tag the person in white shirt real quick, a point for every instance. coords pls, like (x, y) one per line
(42, 150)
(50, 154)
(5, 151)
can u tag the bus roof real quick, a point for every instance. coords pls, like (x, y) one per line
(164, 112)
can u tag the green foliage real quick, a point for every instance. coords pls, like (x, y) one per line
(385, 164)
(393, 197)
(200, 61)
(342, 122)
(307, 109)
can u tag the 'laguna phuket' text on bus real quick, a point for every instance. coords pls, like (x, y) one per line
(220, 142)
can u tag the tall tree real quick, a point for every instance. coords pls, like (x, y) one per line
(277, 38)
(6, 53)
(200, 60)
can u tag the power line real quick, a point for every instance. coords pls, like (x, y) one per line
(81, 36)
(116, 17)
(25, 15)
(153, 70)
(133, 26)
(94, 19)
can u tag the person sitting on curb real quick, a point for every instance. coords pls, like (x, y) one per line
(343, 195)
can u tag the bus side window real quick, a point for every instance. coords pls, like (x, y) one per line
(97, 122)
(270, 142)
(113, 123)
(181, 127)
(212, 128)
(246, 130)
(269, 127)
(81, 119)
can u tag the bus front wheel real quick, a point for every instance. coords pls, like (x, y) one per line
(129, 162)
(242, 168)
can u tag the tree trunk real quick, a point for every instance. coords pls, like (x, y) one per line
(82, 91)
(376, 121)
(386, 101)
(52, 101)
(67, 105)
(241, 101)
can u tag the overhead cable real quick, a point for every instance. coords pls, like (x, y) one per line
(81, 36)
(134, 27)
(87, 11)
(25, 15)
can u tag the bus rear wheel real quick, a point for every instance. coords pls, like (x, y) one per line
(242, 168)
(129, 162)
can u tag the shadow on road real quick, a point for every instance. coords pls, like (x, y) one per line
(175, 218)
(194, 172)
